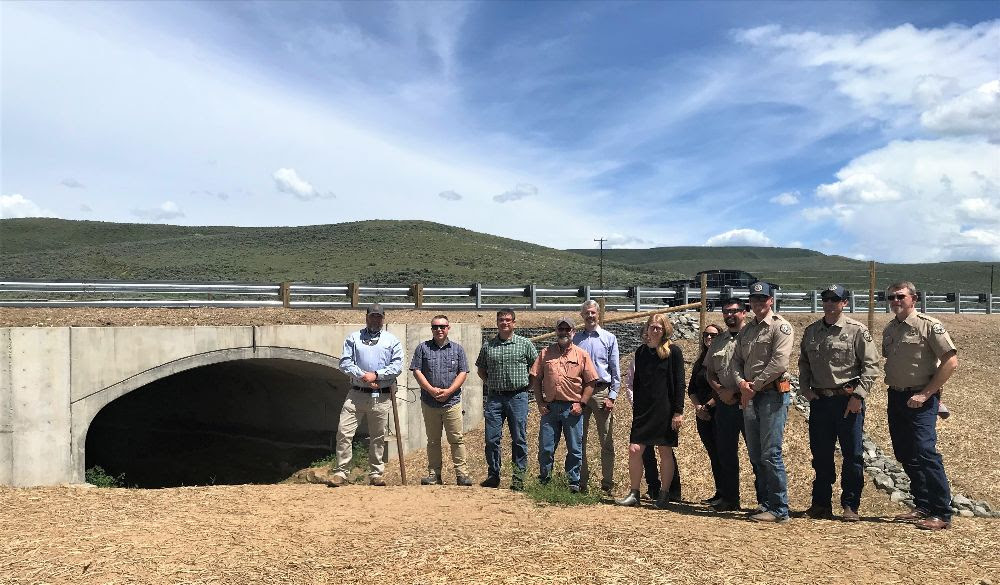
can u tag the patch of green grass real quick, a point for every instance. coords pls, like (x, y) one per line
(556, 491)
(328, 460)
(96, 476)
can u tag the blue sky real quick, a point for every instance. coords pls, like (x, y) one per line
(867, 129)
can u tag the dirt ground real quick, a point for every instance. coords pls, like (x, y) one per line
(303, 533)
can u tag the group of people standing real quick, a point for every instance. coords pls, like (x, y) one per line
(739, 386)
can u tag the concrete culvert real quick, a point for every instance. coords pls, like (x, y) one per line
(235, 422)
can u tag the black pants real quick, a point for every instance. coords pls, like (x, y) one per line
(653, 474)
(706, 430)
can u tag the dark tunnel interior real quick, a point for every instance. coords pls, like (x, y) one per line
(246, 421)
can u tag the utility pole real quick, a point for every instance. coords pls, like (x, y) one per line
(601, 240)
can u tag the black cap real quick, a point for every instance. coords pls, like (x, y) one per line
(376, 309)
(835, 290)
(761, 289)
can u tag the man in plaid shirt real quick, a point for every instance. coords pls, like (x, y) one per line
(503, 365)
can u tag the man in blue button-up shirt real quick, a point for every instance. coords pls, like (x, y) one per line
(602, 345)
(440, 367)
(372, 358)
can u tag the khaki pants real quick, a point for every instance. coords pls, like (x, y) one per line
(605, 438)
(449, 419)
(376, 410)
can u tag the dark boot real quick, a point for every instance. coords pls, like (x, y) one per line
(632, 499)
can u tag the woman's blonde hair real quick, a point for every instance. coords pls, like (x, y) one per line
(663, 349)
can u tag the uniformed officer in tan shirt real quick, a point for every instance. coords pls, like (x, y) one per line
(727, 420)
(759, 367)
(838, 364)
(919, 358)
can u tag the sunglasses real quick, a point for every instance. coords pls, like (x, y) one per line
(731, 311)
(707, 334)
(832, 299)
(898, 297)
(564, 328)
(439, 326)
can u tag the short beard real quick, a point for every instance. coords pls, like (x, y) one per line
(564, 340)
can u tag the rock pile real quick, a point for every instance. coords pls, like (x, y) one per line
(888, 476)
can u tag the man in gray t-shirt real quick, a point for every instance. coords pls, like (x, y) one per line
(440, 367)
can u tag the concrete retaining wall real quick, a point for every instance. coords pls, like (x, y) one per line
(54, 381)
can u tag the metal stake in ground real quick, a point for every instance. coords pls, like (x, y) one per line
(399, 438)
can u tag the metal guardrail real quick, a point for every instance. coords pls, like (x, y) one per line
(476, 296)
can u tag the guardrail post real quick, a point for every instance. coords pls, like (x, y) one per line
(923, 302)
(586, 292)
(958, 302)
(285, 294)
(638, 299)
(533, 295)
(686, 292)
(989, 304)
(815, 301)
(417, 292)
(477, 290)
(352, 291)
(851, 304)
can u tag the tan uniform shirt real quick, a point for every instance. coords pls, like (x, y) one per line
(830, 357)
(563, 374)
(762, 350)
(913, 349)
(719, 358)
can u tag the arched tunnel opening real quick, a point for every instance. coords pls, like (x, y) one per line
(236, 422)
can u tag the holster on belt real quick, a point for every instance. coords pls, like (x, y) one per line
(783, 385)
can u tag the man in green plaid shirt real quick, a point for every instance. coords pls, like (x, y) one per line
(503, 365)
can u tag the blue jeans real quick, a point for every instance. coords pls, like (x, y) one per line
(914, 442)
(728, 426)
(512, 407)
(764, 422)
(827, 425)
(560, 420)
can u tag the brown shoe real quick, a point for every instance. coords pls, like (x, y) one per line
(335, 481)
(819, 513)
(850, 515)
(376, 480)
(933, 523)
(767, 516)
(913, 516)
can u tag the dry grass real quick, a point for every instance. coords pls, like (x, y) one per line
(295, 533)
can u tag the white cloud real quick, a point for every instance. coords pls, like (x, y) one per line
(220, 195)
(739, 237)
(520, 191)
(623, 241)
(288, 181)
(974, 112)
(859, 184)
(924, 221)
(16, 205)
(786, 198)
(72, 183)
(167, 210)
(795, 244)
(85, 208)
(892, 68)
(449, 196)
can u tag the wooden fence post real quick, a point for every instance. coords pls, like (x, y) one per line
(417, 292)
(352, 291)
(285, 294)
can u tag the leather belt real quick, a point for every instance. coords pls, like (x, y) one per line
(831, 392)
(372, 390)
(906, 389)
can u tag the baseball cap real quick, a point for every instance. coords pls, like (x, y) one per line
(835, 290)
(761, 289)
(375, 309)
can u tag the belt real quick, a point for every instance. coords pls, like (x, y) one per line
(831, 392)
(518, 391)
(372, 390)
(906, 389)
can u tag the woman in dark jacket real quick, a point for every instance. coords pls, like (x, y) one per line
(701, 397)
(657, 406)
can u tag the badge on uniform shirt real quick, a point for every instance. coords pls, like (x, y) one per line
(938, 328)
(868, 336)
(843, 337)
(785, 328)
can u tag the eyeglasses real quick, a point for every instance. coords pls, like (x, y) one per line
(439, 326)
(655, 328)
(731, 311)
(898, 297)
(504, 320)
(564, 328)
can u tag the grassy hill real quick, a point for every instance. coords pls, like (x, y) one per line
(375, 252)
(401, 252)
(798, 269)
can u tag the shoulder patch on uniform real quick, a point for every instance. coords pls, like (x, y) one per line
(937, 328)
(868, 336)
(785, 328)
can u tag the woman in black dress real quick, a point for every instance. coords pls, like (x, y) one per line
(657, 406)
(704, 406)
